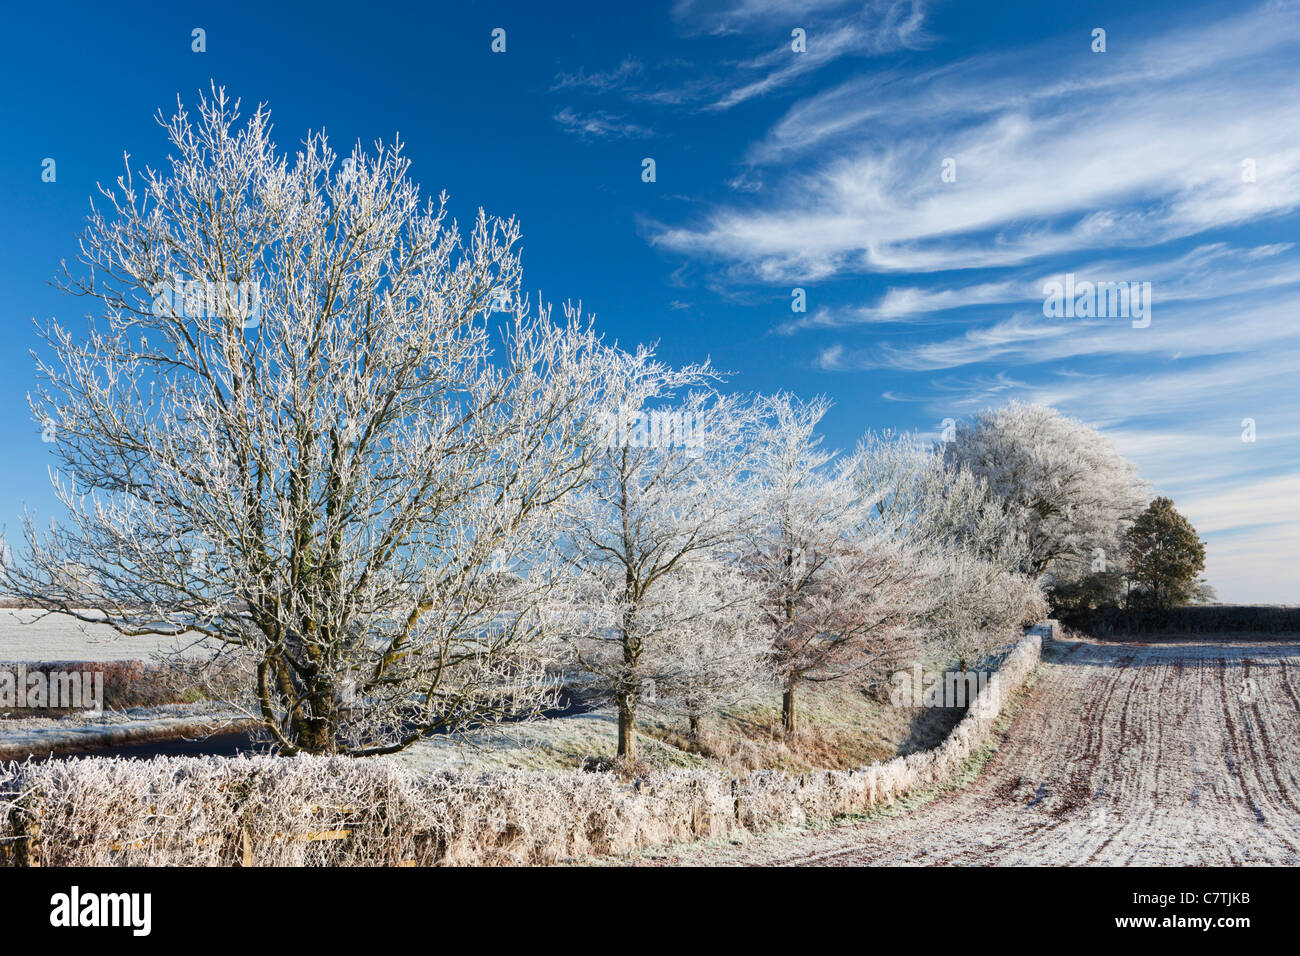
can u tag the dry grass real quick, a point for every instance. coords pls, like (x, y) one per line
(134, 683)
(563, 743)
(841, 726)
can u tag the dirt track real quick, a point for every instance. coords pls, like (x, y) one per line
(1184, 753)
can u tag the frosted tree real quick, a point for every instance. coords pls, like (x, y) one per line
(974, 592)
(837, 598)
(316, 425)
(649, 529)
(1062, 484)
(715, 655)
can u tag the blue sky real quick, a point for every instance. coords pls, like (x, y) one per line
(778, 170)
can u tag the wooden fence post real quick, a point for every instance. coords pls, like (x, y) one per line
(26, 827)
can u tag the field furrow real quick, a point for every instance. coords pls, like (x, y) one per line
(1125, 754)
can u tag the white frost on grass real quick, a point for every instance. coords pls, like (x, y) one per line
(203, 810)
(560, 743)
(38, 736)
(205, 709)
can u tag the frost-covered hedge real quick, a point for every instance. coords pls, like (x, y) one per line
(339, 811)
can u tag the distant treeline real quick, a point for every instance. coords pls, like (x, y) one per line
(1188, 619)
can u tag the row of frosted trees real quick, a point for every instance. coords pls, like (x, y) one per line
(749, 558)
(408, 501)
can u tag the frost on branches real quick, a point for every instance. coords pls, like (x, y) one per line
(651, 545)
(350, 476)
(1062, 484)
(974, 593)
(837, 596)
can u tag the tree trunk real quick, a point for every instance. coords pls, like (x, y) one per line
(695, 725)
(626, 728)
(788, 716)
(629, 680)
(309, 719)
(314, 730)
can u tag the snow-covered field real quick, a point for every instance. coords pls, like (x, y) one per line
(1125, 754)
(29, 635)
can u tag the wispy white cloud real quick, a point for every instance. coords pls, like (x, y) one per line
(1022, 79)
(832, 30)
(1062, 167)
(740, 16)
(1213, 271)
(910, 304)
(599, 125)
(869, 29)
(1253, 538)
(1029, 338)
(600, 81)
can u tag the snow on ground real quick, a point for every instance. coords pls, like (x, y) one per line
(31, 635)
(1125, 754)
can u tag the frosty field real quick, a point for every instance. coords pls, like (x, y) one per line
(29, 635)
(1124, 754)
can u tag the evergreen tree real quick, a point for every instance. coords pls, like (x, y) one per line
(1164, 556)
